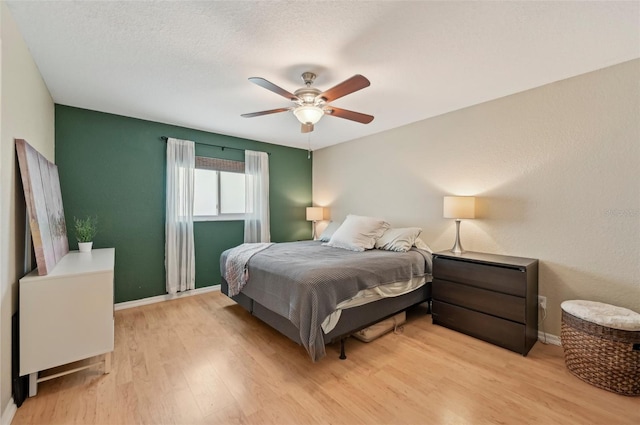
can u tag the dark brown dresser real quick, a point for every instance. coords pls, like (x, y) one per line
(490, 297)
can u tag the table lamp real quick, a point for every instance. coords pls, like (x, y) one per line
(315, 214)
(459, 207)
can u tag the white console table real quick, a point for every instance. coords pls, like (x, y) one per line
(67, 315)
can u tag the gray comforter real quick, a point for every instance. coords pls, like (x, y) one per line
(304, 281)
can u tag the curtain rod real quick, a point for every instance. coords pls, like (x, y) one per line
(165, 138)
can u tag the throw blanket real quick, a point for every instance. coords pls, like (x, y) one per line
(236, 273)
(305, 281)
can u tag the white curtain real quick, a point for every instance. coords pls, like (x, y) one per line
(256, 221)
(179, 247)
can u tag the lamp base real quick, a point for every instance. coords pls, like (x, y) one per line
(457, 246)
(313, 231)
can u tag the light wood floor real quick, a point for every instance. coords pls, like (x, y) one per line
(204, 360)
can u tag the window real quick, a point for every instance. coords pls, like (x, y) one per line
(219, 192)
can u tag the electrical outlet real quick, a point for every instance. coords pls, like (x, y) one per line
(542, 302)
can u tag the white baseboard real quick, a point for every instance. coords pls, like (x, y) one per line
(9, 412)
(542, 336)
(549, 338)
(167, 297)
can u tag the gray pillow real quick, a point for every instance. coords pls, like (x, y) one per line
(329, 231)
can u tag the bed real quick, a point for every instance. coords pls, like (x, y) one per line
(299, 288)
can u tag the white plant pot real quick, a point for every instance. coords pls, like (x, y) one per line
(85, 246)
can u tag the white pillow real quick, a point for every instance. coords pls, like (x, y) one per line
(329, 231)
(358, 233)
(400, 240)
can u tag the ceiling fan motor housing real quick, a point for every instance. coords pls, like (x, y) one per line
(308, 95)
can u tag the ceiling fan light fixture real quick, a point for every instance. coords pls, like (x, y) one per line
(308, 114)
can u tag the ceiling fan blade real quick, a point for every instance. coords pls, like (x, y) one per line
(276, 89)
(348, 115)
(353, 84)
(306, 128)
(270, 111)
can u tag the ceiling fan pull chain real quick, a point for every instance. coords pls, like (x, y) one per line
(309, 142)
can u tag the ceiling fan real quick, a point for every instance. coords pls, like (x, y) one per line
(311, 104)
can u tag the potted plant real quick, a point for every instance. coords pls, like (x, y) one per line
(86, 229)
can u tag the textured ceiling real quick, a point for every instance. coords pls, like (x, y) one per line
(187, 63)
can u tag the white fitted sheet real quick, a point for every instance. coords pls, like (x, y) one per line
(366, 296)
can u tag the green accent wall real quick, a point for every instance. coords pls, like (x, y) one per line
(114, 167)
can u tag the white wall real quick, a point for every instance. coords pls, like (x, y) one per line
(557, 170)
(27, 112)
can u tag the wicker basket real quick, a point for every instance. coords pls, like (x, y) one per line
(605, 357)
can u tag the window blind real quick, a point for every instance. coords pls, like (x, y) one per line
(218, 164)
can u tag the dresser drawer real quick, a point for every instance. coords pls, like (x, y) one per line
(508, 280)
(489, 302)
(501, 332)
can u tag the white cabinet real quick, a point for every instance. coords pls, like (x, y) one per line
(67, 315)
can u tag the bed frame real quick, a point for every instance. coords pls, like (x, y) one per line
(351, 320)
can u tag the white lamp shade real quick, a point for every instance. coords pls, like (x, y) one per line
(459, 207)
(315, 213)
(308, 114)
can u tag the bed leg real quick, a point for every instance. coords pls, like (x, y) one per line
(342, 354)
